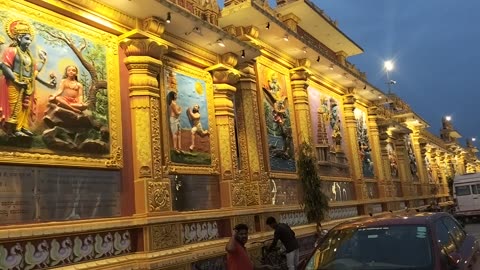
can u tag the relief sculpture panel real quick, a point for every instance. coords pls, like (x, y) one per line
(364, 148)
(58, 90)
(328, 133)
(277, 113)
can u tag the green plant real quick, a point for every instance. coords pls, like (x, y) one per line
(315, 202)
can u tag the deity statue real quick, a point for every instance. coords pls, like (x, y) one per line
(70, 92)
(20, 72)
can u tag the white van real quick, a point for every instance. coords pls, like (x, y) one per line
(466, 194)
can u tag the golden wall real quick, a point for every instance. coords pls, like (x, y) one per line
(171, 142)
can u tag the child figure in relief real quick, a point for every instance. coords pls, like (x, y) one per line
(70, 93)
(197, 129)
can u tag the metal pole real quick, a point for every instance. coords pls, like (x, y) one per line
(388, 82)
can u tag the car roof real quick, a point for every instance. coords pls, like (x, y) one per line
(404, 218)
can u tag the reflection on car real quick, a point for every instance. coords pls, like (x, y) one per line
(420, 241)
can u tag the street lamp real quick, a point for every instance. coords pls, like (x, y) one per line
(388, 65)
(448, 118)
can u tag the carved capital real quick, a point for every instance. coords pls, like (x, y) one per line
(159, 196)
(229, 59)
(225, 76)
(143, 47)
(299, 74)
(154, 25)
(349, 100)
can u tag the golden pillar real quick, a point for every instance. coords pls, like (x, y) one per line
(251, 162)
(152, 192)
(232, 187)
(298, 78)
(403, 168)
(376, 151)
(417, 148)
(351, 142)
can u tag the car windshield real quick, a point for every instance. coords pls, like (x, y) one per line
(393, 247)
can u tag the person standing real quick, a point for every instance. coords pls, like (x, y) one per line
(237, 256)
(286, 235)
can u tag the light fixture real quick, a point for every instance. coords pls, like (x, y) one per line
(331, 67)
(169, 17)
(448, 118)
(268, 25)
(304, 49)
(196, 30)
(243, 53)
(285, 37)
(388, 65)
(474, 139)
(379, 97)
(364, 87)
(318, 59)
(220, 42)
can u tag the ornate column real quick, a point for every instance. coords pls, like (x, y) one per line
(403, 170)
(248, 133)
(232, 187)
(351, 130)
(298, 78)
(384, 140)
(421, 168)
(376, 150)
(152, 191)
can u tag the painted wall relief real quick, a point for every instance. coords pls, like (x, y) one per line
(428, 165)
(412, 160)
(53, 89)
(364, 148)
(328, 133)
(277, 117)
(393, 160)
(188, 121)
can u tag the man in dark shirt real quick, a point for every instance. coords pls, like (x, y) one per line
(284, 233)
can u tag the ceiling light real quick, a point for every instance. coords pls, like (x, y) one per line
(331, 67)
(285, 37)
(364, 87)
(304, 49)
(220, 42)
(169, 17)
(318, 59)
(268, 26)
(379, 97)
(243, 53)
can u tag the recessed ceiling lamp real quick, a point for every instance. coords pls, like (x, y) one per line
(285, 37)
(243, 53)
(220, 42)
(169, 17)
(304, 49)
(331, 67)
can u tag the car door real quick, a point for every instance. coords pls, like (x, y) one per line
(465, 198)
(465, 244)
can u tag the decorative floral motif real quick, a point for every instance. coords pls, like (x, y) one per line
(158, 196)
(164, 236)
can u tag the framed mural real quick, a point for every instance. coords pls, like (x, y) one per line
(190, 118)
(412, 160)
(59, 81)
(278, 115)
(392, 160)
(364, 147)
(328, 133)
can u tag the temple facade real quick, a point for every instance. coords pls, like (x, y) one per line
(136, 134)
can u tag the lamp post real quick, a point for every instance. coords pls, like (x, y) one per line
(388, 65)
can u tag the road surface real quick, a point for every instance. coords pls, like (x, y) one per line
(474, 229)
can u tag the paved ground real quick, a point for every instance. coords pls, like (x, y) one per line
(474, 229)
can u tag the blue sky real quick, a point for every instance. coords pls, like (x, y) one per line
(435, 47)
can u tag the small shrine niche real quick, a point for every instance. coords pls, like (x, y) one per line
(207, 10)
